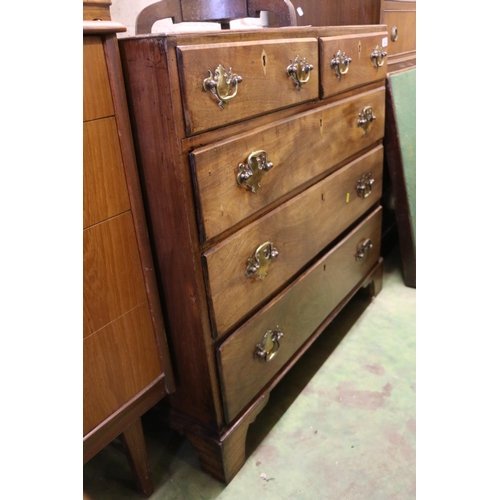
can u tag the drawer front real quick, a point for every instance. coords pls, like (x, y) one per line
(265, 84)
(105, 191)
(298, 311)
(112, 280)
(299, 148)
(97, 100)
(367, 61)
(119, 361)
(405, 22)
(298, 230)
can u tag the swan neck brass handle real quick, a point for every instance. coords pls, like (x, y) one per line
(258, 263)
(364, 187)
(365, 118)
(250, 173)
(340, 63)
(223, 84)
(363, 248)
(299, 71)
(378, 56)
(270, 344)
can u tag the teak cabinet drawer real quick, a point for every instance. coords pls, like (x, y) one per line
(112, 282)
(262, 68)
(232, 181)
(119, 361)
(350, 61)
(105, 191)
(97, 99)
(297, 230)
(297, 312)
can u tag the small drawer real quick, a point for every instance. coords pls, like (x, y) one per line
(231, 177)
(401, 25)
(350, 61)
(246, 268)
(250, 357)
(224, 83)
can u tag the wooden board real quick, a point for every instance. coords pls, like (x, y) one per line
(400, 150)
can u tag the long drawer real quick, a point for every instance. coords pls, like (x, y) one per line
(255, 352)
(299, 148)
(223, 83)
(243, 270)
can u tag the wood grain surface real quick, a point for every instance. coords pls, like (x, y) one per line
(97, 101)
(265, 85)
(104, 185)
(299, 229)
(298, 311)
(112, 280)
(119, 361)
(301, 148)
(361, 69)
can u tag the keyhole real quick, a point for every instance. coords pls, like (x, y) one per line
(263, 60)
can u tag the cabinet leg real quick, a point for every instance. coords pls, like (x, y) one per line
(135, 449)
(224, 457)
(373, 283)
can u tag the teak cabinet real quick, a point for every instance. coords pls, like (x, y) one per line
(261, 156)
(126, 363)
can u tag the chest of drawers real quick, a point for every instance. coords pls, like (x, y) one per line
(261, 156)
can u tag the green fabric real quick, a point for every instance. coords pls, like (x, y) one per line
(404, 92)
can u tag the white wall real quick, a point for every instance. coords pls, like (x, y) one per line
(126, 11)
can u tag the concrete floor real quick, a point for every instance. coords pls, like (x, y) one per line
(341, 424)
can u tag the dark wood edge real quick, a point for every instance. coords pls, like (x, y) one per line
(394, 161)
(121, 419)
(137, 207)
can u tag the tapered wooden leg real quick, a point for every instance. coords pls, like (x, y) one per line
(223, 457)
(135, 448)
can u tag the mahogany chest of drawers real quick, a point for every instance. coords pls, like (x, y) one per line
(261, 156)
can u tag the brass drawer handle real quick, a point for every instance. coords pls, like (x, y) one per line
(364, 187)
(270, 344)
(299, 71)
(340, 63)
(223, 84)
(365, 118)
(259, 262)
(394, 33)
(250, 173)
(378, 56)
(363, 248)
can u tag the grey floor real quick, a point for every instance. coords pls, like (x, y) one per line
(341, 424)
